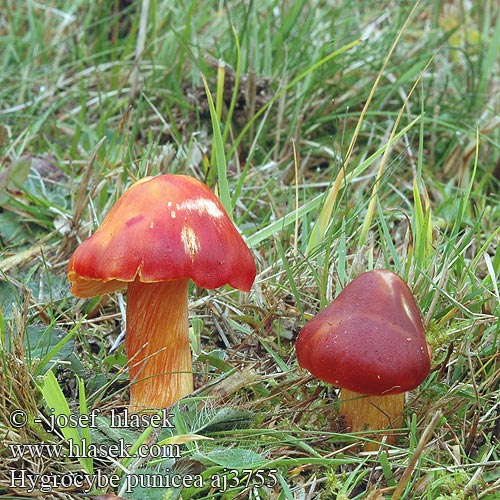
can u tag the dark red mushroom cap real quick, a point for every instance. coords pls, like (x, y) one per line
(369, 340)
(163, 228)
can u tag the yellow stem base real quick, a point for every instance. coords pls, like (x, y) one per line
(366, 413)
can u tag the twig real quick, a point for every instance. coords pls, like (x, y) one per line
(426, 435)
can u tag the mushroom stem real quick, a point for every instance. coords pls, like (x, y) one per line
(364, 413)
(157, 343)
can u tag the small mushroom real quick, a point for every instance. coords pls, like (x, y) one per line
(370, 342)
(161, 233)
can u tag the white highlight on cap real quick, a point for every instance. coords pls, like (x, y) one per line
(409, 313)
(388, 278)
(202, 206)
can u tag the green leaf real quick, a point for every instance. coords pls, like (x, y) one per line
(226, 419)
(84, 411)
(57, 405)
(236, 458)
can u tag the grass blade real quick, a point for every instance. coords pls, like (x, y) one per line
(218, 154)
(57, 405)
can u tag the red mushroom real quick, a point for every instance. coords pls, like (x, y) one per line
(162, 232)
(370, 342)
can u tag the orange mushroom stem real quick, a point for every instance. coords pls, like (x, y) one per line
(365, 413)
(157, 343)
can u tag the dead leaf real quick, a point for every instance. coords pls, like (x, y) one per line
(14, 176)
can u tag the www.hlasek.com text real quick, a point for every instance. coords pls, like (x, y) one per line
(83, 449)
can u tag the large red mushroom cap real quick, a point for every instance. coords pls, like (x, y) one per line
(163, 228)
(162, 232)
(369, 340)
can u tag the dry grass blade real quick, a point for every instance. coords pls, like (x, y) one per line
(424, 439)
(316, 111)
(383, 162)
(19, 259)
(324, 218)
(17, 404)
(84, 194)
(139, 50)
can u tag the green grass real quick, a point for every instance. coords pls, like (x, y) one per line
(342, 137)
